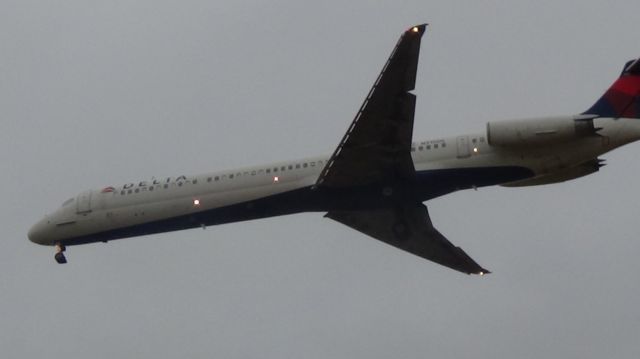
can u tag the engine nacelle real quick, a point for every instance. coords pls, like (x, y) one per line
(539, 131)
(562, 175)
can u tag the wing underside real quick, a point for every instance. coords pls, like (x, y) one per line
(376, 152)
(409, 228)
(377, 145)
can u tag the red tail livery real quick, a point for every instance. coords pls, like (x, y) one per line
(622, 99)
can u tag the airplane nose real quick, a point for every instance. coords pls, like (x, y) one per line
(38, 233)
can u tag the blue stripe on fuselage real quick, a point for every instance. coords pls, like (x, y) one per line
(430, 184)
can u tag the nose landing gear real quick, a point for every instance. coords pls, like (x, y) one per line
(59, 256)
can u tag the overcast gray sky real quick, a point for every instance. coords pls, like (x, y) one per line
(101, 93)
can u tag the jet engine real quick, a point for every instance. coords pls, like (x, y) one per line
(540, 131)
(565, 174)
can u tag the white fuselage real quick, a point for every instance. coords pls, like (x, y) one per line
(133, 205)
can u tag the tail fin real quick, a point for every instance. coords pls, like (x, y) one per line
(622, 99)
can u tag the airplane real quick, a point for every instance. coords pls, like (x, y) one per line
(375, 181)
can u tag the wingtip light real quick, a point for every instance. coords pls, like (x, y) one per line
(417, 28)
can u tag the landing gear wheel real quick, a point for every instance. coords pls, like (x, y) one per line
(59, 257)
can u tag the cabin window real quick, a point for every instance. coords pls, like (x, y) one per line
(444, 144)
(209, 179)
(195, 181)
(122, 192)
(420, 148)
(298, 166)
(435, 146)
(253, 173)
(474, 140)
(137, 190)
(151, 188)
(180, 184)
(275, 169)
(313, 164)
(428, 147)
(283, 168)
(268, 170)
(304, 165)
(217, 178)
(290, 167)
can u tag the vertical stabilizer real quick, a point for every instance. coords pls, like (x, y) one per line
(622, 99)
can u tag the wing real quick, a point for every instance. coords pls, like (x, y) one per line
(377, 145)
(409, 228)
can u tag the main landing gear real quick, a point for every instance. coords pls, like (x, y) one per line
(60, 258)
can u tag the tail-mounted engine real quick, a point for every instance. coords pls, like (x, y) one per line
(565, 174)
(540, 131)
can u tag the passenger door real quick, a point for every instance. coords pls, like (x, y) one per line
(83, 202)
(462, 143)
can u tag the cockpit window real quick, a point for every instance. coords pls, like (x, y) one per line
(67, 202)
